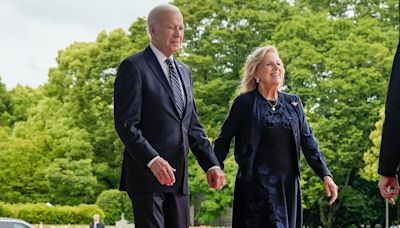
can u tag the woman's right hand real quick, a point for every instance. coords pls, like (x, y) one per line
(331, 189)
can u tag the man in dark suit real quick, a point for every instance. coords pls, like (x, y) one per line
(155, 118)
(390, 147)
(96, 222)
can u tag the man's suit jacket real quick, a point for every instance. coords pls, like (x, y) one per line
(148, 123)
(390, 147)
(99, 225)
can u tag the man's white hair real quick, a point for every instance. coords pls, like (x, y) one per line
(156, 13)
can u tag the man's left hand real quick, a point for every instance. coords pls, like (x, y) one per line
(216, 178)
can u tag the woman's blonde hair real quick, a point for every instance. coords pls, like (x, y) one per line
(253, 60)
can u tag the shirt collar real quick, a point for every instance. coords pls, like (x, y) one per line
(159, 55)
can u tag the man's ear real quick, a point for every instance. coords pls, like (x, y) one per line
(152, 30)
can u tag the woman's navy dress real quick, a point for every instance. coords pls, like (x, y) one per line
(272, 198)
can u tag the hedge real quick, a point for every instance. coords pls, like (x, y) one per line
(41, 213)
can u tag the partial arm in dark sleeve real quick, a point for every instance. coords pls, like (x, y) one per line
(228, 131)
(199, 143)
(127, 112)
(310, 147)
(390, 147)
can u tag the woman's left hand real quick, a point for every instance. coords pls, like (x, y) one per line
(331, 189)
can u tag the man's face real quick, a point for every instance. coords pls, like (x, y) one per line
(167, 33)
(96, 218)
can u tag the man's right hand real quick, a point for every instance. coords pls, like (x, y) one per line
(163, 171)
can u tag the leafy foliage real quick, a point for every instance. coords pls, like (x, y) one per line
(371, 157)
(114, 203)
(42, 213)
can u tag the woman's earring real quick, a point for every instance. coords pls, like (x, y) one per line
(257, 80)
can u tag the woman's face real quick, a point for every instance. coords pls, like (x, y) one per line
(270, 71)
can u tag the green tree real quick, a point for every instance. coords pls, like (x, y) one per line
(371, 157)
(386, 11)
(21, 178)
(34, 144)
(114, 203)
(4, 105)
(339, 76)
(22, 98)
(84, 80)
(71, 182)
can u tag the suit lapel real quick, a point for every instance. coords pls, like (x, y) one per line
(154, 65)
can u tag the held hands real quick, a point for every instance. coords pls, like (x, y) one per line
(216, 178)
(389, 188)
(163, 171)
(331, 189)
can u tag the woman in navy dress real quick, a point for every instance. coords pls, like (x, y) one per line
(270, 128)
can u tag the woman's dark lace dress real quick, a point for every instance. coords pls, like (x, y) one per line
(272, 198)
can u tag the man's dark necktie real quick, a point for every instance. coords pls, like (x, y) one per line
(175, 85)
